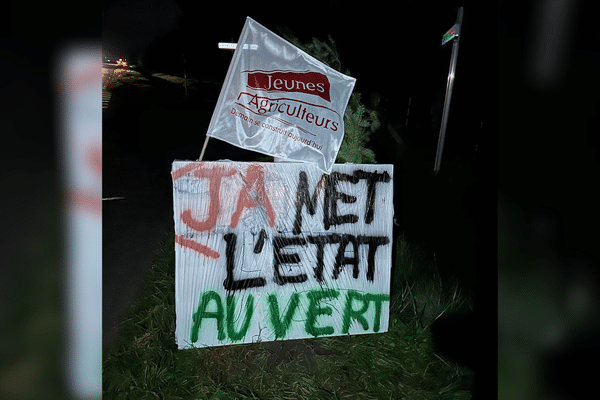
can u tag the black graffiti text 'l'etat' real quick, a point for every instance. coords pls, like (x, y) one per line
(280, 257)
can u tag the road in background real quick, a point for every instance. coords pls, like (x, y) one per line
(137, 205)
(110, 75)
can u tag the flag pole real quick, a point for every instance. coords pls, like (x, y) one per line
(203, 148)
(449, 84)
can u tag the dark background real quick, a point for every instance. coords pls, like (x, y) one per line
(394, 52)
(531, 87)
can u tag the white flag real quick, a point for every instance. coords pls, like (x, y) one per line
(280, 101)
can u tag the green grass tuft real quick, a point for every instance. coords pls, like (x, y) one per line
(419, 296)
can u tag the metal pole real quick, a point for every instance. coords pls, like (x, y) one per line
(450, 83)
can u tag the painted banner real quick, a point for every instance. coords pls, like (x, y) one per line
(280, 101)
(273, 251)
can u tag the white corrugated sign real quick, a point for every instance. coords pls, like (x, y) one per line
(274, 251)
(280, 101)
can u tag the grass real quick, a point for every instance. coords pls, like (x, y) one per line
(418, 293)
(144, 362)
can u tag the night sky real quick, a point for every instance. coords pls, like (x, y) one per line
(129, 26)
(380, 44)
(393, 50)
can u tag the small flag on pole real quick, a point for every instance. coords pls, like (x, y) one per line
(280, 101)
(451, 34)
